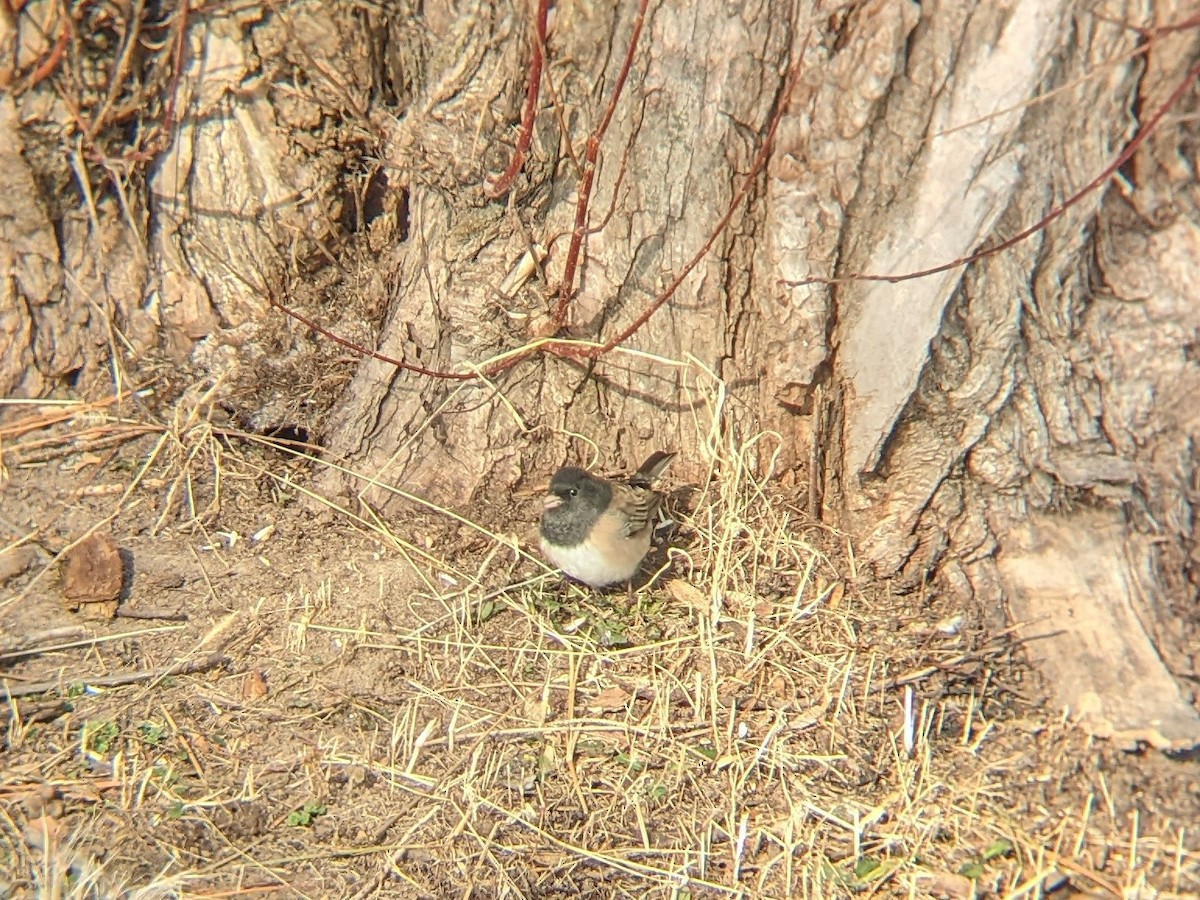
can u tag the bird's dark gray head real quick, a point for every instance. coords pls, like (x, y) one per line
(575, 502)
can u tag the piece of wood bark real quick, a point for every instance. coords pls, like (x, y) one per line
(92, 576)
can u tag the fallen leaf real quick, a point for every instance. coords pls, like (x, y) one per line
(740, 600)
(835, 598)
(43, 800)
(82, 461)
(946, 886)
(16, 561)
(610, 698)
(44, 828)
(537, 710)
(43, 833)
(688, 595)
(254, 686)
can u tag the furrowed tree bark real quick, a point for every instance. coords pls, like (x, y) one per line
(702, 90)
(1025, 439)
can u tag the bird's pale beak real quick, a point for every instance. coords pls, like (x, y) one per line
(551, 501)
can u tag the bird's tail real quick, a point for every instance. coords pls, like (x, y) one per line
(651, 470)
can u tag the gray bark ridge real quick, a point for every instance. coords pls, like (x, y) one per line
(1013, 427)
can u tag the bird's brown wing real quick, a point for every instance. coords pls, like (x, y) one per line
(637, 506)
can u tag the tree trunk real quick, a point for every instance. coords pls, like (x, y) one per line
(1016, 431)
(703, 86)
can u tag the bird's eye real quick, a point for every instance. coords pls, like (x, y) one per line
(574, 492)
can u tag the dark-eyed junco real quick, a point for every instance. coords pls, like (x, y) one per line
(597, 530)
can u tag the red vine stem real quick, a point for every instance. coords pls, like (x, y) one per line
(570, 350)
(574, 351)
(589, 170)
(177, 67)
(760, 162)
(341, 341)
(1123, 157)
(497, 187)
(50, 63)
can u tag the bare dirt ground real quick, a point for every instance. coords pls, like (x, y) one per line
(418, 708)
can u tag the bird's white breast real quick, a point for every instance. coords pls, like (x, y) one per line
(587, 564)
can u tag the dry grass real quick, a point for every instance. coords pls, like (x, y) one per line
(426, 711)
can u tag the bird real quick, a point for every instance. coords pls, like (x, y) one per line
(597, 530)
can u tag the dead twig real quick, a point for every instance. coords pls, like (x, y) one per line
(151, 614)
(949, 665)
(212, 661)
(31, 644)
(68, 642)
